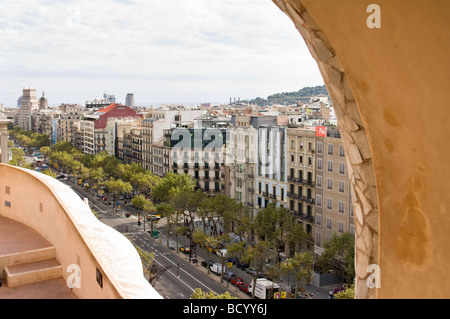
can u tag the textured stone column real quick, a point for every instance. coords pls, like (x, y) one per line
(357, 150)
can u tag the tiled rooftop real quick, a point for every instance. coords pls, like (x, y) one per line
(16, 237)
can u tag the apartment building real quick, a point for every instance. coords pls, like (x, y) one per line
(70, 115)
(100, 120)
(199, 153)
(161, 159)
(301, 175)
(29, 105)
(270, 169)
(240, 160)
(132, 145)
(147, 141)
(333, 207)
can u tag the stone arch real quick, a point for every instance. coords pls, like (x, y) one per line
(389, 86)
(358, 153)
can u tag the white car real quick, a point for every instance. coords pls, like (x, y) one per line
(222, 253)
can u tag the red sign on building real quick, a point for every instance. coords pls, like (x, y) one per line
(321, 131)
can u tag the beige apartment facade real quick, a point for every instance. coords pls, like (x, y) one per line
(301, 175)
(333, 207)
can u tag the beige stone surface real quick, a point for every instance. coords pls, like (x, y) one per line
(393, 83)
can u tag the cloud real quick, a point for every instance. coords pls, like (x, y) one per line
(198, 48)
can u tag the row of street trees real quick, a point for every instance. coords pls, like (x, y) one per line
(260, 239)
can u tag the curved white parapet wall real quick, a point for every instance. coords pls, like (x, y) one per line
(55, 211)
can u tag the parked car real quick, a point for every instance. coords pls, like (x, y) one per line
(244, 288)
(216, 268)
(228, 275)
(252, 272)
(237, 281)
(206, 264)
(222, 253)
(242, 265)
(185, 249)
(153, 217)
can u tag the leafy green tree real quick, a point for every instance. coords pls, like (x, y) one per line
(209, 242)
(171, 184)
(145, 205)
(220, 208)
(301, 265)
(49, 172)
(147, 259)
(199, 294)
(18, 158)
(278, 225)
(236, 249)
(339, 254)
(348, 293)
(167, 210)
(256, 255)
(117, 187)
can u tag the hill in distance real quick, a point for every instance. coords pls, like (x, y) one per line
(290, 97)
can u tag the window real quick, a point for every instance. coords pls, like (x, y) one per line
(300, 159)
(330, 166)
(319, 219)
(341, 186)
(319, 147)
(351, 210)
(319, 164)
(341, 168)
(330, 149)
(329, 223)
(341, 227)
(318, 240)
(341, 151)
(319, 200)
(341, 207)
(329, 203)
(329, 184)
(319, 181)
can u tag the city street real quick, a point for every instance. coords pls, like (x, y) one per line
(177, 282)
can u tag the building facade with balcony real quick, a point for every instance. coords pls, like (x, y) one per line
(301, 179)
(333, 207)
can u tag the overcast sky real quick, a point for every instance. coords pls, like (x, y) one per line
(163, 51)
